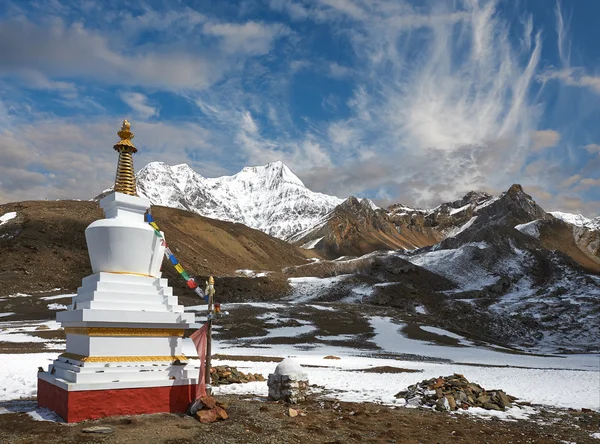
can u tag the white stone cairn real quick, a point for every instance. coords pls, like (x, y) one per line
(289, 382)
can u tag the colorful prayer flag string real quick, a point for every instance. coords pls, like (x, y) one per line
(191, 283)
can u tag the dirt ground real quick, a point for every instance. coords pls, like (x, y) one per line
(255, 420)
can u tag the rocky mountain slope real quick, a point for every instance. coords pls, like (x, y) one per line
(43, 247)
(488, 280)
(354, 228)
(269, 198)
(272, 199)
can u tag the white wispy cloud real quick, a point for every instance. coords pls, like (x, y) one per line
(452, 117)
(139, 103)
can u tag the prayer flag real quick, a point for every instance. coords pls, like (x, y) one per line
(149, 217)
(179, 268)
(199, 292)
(191, 283)
(173, 259)
(153, 225)
(185, 275)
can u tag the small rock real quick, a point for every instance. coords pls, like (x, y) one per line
(98, 429)
(206, 416)
(332, 357)
(221, 413)
(209, 402)
(490, 406)
(292, 413)
(451, 402)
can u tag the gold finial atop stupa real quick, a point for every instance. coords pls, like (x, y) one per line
(126, 135)
(125, 180)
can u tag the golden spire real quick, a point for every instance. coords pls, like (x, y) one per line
(125, 180)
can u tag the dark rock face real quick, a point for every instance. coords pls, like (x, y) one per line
(353, 228)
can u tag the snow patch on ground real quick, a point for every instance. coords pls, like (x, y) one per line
(56, 306)
(321, 307)
(58, 296)
(18, 374)
(6, 217)
(4, 315)
(251, 273)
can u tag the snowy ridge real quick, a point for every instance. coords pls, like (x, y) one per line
(270, 198)
(578, 220)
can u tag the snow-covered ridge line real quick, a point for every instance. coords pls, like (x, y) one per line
(577, 219)
(270, 198)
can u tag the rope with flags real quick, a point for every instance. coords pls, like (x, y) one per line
(202, 337)
(191, 283)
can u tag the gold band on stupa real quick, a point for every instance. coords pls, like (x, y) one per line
(125, 180)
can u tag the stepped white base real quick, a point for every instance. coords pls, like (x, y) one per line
(124, 337)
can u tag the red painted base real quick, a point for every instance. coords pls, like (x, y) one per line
(77, 406)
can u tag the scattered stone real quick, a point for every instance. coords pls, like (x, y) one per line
(332, 357)
(209, 402)
(223, 375)
(221, 413)
(292, 412)
(207, 409)
(450, 393)
(98, 429)
(206, 416)
(289, 382)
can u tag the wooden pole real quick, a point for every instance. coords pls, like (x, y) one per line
(210, 293)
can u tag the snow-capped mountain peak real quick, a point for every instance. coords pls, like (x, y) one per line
(270, 197)
(578, 220)
(269, 176)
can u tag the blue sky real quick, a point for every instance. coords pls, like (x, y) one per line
(416, 102)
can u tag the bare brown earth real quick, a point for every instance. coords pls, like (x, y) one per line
(44, 246)
(558, 235)
(257, 420)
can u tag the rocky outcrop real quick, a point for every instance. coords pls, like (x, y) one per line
(223, 375)
(355, 228)
(454, 392)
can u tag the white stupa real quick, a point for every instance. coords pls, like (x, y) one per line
(124, 328)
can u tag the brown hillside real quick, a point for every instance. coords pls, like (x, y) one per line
(558, 235)
(44, 246)
(353, 228)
